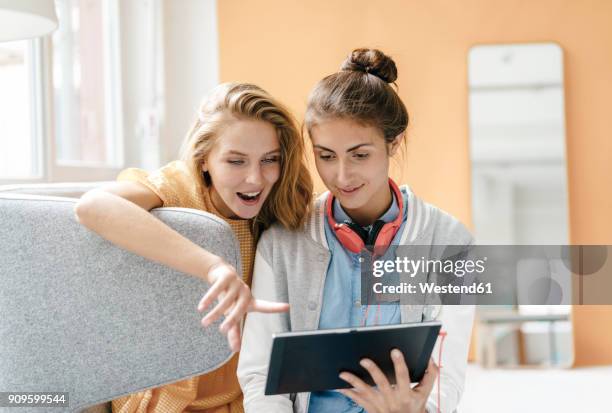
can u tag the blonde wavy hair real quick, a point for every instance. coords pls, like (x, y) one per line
(290, 198)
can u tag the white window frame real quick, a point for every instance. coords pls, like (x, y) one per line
(79, 171)
(45, 164)
(37, 107)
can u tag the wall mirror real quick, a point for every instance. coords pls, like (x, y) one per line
(519, 187)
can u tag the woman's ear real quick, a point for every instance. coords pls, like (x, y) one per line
(395, 143)
(205, 174)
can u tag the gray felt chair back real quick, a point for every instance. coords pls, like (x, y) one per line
(82, 316)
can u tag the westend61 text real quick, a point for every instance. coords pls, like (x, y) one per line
(432, 288)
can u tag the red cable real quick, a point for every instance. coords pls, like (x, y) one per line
(442, 334)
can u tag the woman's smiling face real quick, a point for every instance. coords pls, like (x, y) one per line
(353, 162)
(244, 164)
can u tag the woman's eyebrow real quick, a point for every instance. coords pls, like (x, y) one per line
(233, 152)
(352, 148)
(323, 148)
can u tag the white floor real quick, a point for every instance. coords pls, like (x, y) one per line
(533, 390)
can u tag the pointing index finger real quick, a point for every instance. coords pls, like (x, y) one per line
(263, 306)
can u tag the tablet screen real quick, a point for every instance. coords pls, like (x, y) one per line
(310, 361)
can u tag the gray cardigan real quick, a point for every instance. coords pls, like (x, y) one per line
(291, 266)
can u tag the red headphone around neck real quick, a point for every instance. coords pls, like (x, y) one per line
(354, 238)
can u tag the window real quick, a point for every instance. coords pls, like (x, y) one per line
(60, 99)
(86, 85)
(19, 128)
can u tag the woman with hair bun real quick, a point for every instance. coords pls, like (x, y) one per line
(356, 122)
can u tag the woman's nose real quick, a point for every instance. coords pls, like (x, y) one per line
(344, 173)
(254, 176)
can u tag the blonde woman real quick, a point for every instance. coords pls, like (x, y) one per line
(242, 161)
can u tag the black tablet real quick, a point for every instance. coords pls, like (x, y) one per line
(307, 361)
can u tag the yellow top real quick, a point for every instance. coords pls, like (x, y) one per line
(217, 391)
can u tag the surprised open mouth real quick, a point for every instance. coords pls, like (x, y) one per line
(249, 196)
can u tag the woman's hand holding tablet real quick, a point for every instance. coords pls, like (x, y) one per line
(388, 398)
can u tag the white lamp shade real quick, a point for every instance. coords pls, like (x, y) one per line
(24, 19)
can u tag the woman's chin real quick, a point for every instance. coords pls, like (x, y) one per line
(241, 214)
(246, 212)
(350, 202)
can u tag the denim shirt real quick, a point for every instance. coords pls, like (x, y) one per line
(342, 307)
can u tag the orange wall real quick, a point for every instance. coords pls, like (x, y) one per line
(287, 45)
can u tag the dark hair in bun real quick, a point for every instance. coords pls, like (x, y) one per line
(360, 91)
(371, 61)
